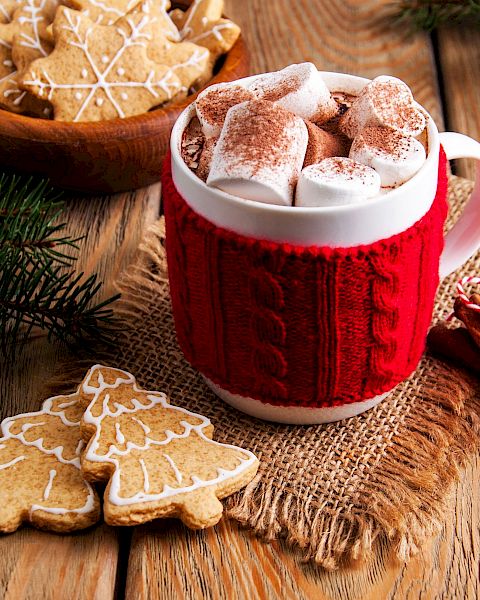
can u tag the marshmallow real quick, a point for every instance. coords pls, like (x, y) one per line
(298, 88)
(384, 102)
(213, 104)
(336, 181)
(260, 153)
(322, 144)
(395, 157)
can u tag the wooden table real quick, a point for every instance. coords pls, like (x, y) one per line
(164, 560)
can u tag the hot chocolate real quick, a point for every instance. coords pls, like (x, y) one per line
(273, 138)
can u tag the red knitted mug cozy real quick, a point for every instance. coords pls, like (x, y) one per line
(301, 326)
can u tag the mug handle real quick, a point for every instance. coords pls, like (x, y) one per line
(463, 240)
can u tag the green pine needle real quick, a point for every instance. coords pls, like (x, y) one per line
(36, 289)
(429, 14)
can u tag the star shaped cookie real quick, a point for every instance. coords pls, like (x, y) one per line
(98, 72)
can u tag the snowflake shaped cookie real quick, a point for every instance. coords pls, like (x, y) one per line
(98, 72)
(202, 24)
(40, 478)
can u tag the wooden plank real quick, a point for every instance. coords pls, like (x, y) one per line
(459, 54)
(167, 560)
(37, 565)
(348, 37)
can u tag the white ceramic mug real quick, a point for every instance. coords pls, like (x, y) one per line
(343, 226)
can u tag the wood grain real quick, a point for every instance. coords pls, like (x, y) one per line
(346, 36)
(166, 560)
(42, 566)
(459, 53)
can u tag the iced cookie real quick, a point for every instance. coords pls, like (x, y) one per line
(100, 72)
(159, 460)
(12, 97)
(40, 478)
(202, 24)
(106, 12)
(22, 39)
(188, 61)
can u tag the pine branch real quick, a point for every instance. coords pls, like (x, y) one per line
(29, 211)
(36, 290)
(429, 14)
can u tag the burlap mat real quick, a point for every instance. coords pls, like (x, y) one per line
(331, 490)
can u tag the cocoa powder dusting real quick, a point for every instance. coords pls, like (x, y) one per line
(215, 105)
(260, 137)
(276, 90)
(386, 140)
(395, 102)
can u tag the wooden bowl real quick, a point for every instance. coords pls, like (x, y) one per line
(104, 156)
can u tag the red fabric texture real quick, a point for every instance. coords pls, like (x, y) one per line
(296, 326)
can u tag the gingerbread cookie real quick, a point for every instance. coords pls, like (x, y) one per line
(40, 478)
(12, 97)
(24, 38)
(106, 12)
(159, 460)
(202, 24)
(100, 72)
(188, 61)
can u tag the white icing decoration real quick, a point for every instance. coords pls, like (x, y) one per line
(78, 95)
(34, 17)
(12, 462)
(146, 480)
(65, 405)
(8, 63)
(137, 37)
(99, 101)
(84, 73)
(48, 488)
(118, 434)
(145, 428)
(120, 71)
(124, 96)
(9, 14)
(28, 426)
(10, 78)
(176, 470)
(80, 447)
(58, 510)
(48, 409)
(105, 59)
(154, 398)
(216, 30)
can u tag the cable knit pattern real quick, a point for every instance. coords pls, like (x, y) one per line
(297, 326)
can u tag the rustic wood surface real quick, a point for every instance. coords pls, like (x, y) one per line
(104, 156)
(165, 560)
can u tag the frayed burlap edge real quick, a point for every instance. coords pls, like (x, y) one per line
(403, 499)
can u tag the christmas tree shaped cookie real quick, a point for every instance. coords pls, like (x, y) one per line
(159, 460)
(40, 478)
